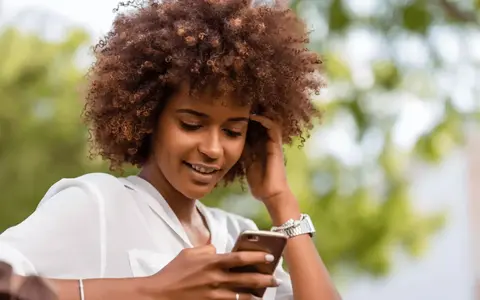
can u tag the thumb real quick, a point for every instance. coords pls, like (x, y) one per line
(207, 249)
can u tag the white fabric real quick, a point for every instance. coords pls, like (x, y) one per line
(100, 226)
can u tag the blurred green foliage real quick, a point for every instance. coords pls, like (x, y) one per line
(360, 224)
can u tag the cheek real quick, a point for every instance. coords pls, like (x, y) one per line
(168, 144)
(173, 144)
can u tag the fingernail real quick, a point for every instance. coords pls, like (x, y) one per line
(269, 258)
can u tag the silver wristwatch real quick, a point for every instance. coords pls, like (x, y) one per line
(293, 228)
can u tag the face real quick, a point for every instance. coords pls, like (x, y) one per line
(198, 140)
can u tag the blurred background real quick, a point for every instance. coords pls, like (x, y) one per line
(389, 176)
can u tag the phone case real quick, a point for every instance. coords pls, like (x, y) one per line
(265, 241)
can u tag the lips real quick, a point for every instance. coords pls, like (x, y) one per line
(203, 169)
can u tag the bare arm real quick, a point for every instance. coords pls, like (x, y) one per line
(100, 289)
(268, 183)
(310, 278)
(195, 273)
(94, 289)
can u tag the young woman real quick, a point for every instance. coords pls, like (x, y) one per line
(193, 93)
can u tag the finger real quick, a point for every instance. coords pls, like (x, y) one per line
(266, 122)
(250, 280)
(274, 132)
(244, 258)
(225, 294)
(207, 249)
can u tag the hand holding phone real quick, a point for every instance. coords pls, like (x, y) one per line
(264, 241)
(202, 273)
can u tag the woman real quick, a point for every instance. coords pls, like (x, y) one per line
(193, 92)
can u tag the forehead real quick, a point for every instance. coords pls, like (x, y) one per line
(226, 106)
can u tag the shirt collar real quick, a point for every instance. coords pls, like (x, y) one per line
(160, 206)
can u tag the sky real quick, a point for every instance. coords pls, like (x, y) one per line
(443, 274)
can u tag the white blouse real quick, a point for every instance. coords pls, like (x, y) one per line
(100, 226)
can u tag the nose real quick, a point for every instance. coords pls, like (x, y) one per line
(211, 145)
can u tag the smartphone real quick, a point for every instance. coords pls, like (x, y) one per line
(258, 240)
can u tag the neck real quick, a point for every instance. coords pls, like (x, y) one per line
(183, 207)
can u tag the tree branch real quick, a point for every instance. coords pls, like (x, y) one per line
(455, 13)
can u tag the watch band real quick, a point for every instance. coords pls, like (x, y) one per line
(293, 228)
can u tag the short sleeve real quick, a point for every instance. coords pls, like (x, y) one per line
(62, 234)
(20, 264)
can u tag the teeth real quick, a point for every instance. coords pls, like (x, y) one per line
(203, 169)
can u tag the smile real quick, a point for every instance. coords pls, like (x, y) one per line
(202, 169)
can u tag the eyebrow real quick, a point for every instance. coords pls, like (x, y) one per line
(205, 116)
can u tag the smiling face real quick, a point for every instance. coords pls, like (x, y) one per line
(198, 141)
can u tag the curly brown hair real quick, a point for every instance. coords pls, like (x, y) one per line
(257, 53)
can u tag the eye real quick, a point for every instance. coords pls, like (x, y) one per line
(190, 127)
(232, 133)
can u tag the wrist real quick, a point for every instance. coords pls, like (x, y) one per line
(283, 207)
(147, 287)
(153, 287)
(140, 286)
(122, 288)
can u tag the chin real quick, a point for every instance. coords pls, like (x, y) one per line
(197, 192)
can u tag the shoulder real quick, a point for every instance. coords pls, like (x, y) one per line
(93, 186)
(234, 223)
(69, 199)
(73, 211)
(85, 182)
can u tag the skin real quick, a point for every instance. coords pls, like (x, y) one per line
(212, 134)
(196, 132)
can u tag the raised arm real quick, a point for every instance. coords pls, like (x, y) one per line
(268, 183)
(310, 278)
